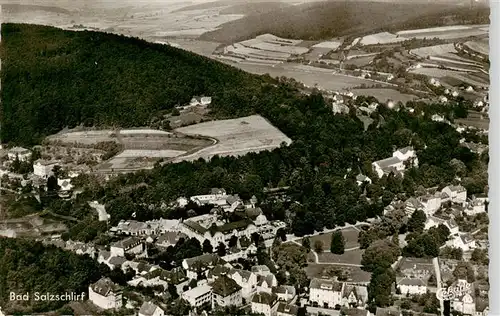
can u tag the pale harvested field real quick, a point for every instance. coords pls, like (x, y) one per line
(331, 45)
(385, 94)
(434, 72)
(481, 47)
(235, 137)
(423, 52)
(381, 38)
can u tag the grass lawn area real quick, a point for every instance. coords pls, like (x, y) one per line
(356, 274)
(350, 257)
(350, 236)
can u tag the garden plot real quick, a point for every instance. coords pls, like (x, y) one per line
(381, 38)
(235, 137)
(84, 137)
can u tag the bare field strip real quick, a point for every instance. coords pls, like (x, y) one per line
(147, 131)
(331, 45)
(385, 94)
(451, 28)
(235, 137)
(132, 153)
(84, 137)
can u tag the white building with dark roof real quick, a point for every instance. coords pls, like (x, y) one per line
(286, 309)
(202, 264)
(130, 245)
(226, 292)
(456, 193)
(325, 293)
(354, 295)
(264, 303)
(105, 294)
(411, 286)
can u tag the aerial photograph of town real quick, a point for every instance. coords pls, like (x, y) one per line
(244, 157)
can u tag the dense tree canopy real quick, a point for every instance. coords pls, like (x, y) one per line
(31, 267)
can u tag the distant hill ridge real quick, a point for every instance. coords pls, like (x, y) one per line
(324, 20)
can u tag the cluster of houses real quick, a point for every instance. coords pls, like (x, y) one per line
(42, 170)
(209, 280)
(432, 202)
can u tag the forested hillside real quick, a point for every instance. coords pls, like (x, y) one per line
(324, 20)
(27, 266)
(133, 79)
(53, 78)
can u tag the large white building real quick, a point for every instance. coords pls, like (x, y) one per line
(396, 163)
(20, 153)
(208, 227)
(105, 294)
(198, 296)
(44, 168)
(325, 293)
(130, 245)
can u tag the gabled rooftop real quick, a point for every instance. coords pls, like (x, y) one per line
(225, 286)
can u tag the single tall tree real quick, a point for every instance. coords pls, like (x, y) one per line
(207, 246)
(221, 250)
(306, 243)
(338, 243)
(416, 223)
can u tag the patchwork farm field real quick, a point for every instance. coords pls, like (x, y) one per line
(234, 137)
(309, 76)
